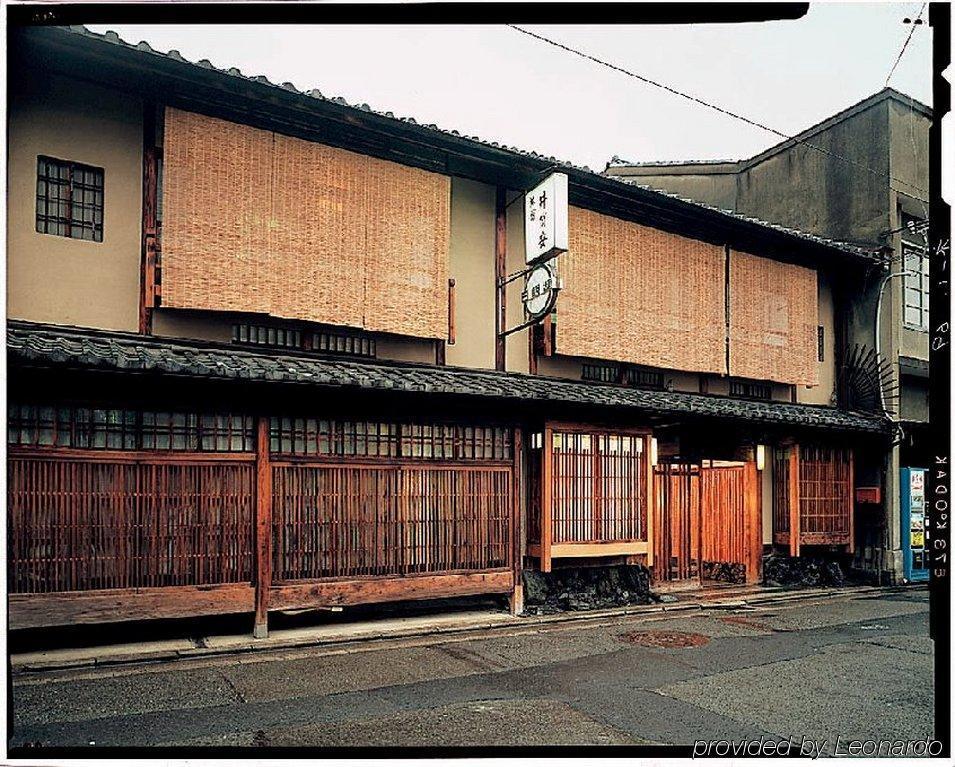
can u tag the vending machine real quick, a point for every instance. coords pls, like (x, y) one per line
(915, 550)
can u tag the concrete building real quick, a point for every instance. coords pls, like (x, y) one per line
(860, 177)
(254, 363)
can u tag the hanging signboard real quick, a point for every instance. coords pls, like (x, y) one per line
(545, 219)
(540, 292)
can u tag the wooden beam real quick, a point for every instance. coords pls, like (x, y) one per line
(263, 528)
(794, 518)
(753, 525)
(374, 589)
(150, 229)
(452, 311)
(651, 500)
(596, 549)
(500, 272)
(546, 510)
(852, 502)
(517, 527)
(108, 605)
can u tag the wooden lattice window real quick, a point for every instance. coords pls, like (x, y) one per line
(601, 373)
(645, 378)
(825, 490)
(69, 199)
(92, 428)
(267, 335)
(751, 389)
(326, 437)
(344, 343)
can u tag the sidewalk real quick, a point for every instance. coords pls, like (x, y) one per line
(390, 628)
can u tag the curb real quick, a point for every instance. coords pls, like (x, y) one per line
(730, 602)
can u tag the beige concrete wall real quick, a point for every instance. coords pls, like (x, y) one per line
(57, 279)
(516, 352)
(766, 486)
(824, 392)
(472, 268)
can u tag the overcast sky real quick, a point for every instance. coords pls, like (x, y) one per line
(500, 85)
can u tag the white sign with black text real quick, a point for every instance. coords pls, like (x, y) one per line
(545, 219)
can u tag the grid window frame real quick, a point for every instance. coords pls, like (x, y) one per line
(69, 199)
(915, 287)
(754, 390)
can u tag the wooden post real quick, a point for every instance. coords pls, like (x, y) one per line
(546, 511)
(150, 233)
(753, 521)
(263, 528)
(452, 312)
(500, 272)
(794, 528)
(651, 501)
(852, 501)
(517, 529)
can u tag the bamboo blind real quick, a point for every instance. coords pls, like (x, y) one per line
(260, 222)
(216, 191)
(636, 294)
(773, 320)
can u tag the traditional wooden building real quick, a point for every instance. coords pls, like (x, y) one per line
(254, 359)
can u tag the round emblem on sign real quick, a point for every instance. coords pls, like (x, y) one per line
(540, 291)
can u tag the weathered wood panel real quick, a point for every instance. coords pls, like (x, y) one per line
(370, 590)
(74, 607)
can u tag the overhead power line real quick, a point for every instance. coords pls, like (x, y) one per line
(717, 108)
(915, 24)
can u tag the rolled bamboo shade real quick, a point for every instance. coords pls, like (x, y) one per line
(637, 294)
(773, 320)
(216, 191)
(257, 221)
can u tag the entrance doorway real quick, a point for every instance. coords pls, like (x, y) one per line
(708, 522)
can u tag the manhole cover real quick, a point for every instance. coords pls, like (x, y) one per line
(666, 639)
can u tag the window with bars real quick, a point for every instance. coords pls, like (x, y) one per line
(821, 343)
(344, 343)
(264, 335)
(69, 199)
(642, 378)
(327, 437)
(751, 389)
(123, 429)
(603, 373)
(915, 287)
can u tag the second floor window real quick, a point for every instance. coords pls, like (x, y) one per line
(915, 287)
(69, 199)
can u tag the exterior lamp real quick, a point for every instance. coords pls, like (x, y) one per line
(653, 451)
(760, 457)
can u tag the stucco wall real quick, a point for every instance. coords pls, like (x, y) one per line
(472, 268)
(808, 189)
(697, 183)
(823, 393)
(58, 279)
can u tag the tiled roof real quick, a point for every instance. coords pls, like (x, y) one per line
(144, 47)
(31, 343)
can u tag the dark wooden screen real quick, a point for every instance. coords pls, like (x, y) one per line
(677, 540)
(80, 523)
(825, 492)
(337, 520)
(781, 490)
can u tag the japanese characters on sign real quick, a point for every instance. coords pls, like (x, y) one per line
(545, 219)
(540, 291)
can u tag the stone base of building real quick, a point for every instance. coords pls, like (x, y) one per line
(586, 588)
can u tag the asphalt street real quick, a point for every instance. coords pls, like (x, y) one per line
(852, 666)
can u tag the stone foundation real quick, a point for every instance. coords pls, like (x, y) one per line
(724, 572)
(783, 570)
(585, 588)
